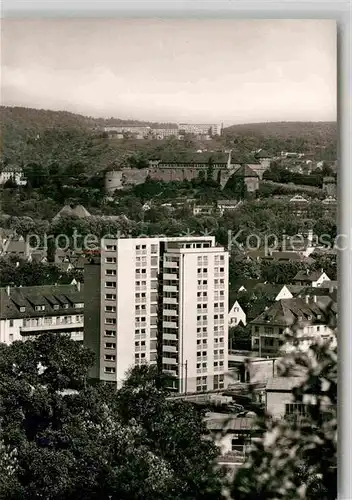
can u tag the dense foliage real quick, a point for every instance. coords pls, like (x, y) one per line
(61, 438)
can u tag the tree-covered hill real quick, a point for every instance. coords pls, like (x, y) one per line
(316, 139)
(322, 131)
(28, 121)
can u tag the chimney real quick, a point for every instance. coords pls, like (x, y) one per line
(307, 299)
(8, 290)
(314, 298)
(229, 159)
(79, 286)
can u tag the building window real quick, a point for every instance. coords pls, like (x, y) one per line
(109, 357)
(110, 296)
(110, 309)
(296, 409)
(110, 260)
(109, 369)
(110, 321)
(79, 305)
(110, 248)
(153, 248)
(238, 442)
(110, 284)
(110, 345)
(110, 272)
(11, 322)
(22, 309)
(268, 329)
(110, 333)
(56, 307)
(268, 342)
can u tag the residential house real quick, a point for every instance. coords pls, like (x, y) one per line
(330, 207)
(227, 205)
(38, 255)
(331, 285)
(289, 291)
(146, 207)
(65, 266)
(17, 246)
(14, 173)
(203, 209)
(264, 157)
(279, 399)
(311, 314)
(327, 289)
(299, 206)
(279, 256)
(284, 293)
(280, 402)
(246, 285)
(329, 186)
(250, 177)
(291, 154)
(72, 211)
(233, 436)
(236, 315)
(29, 311)
(310, 278)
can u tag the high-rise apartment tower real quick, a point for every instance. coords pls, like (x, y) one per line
(159, 301)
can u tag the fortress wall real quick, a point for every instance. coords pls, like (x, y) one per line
(121, 178)
(133, 176)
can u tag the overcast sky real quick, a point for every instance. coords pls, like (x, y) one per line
(231, 71)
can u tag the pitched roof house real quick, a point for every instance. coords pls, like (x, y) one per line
(311, 317)
(72, 211)
(28, 311)
(310, 278)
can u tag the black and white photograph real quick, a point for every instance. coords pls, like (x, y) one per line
(169, 247)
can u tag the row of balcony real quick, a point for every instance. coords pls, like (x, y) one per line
(53, 327)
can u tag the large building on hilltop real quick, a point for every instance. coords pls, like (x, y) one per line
(200, 128)
(159, 301)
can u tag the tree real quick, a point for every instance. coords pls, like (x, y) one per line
(237, 187)
(297, 459)
(62, 438)
(242, 268)
(280, 272)
(210, 171)
(240, 338)
(174, 430)
(10, 184)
